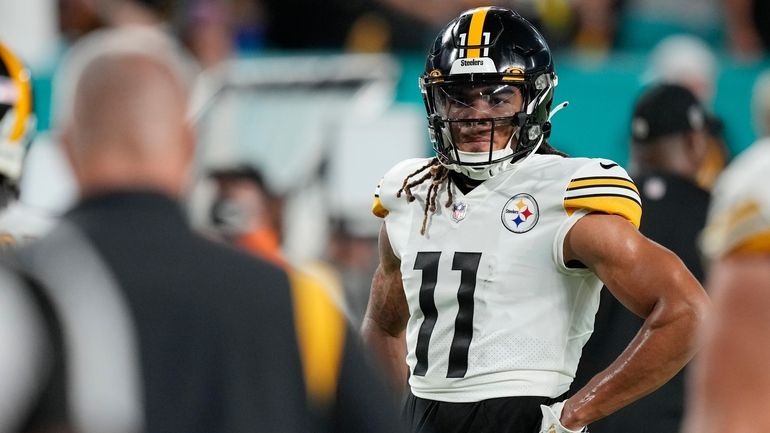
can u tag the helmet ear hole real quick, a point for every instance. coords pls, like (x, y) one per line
(547, 129)
(436, 122)
(531, 131)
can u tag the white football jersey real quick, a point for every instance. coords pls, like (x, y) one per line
(739, 214)
(494, 310)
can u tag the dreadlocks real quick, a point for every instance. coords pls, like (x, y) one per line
(437, 173)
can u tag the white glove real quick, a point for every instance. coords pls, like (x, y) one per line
(551, 422)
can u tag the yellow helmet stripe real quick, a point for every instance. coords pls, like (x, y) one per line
(20, 76)
(475, 32)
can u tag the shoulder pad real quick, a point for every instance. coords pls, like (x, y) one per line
(377, 208)
(385, 194)
(739, 215)
(603, 186)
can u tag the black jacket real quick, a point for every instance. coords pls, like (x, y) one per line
(206, 332)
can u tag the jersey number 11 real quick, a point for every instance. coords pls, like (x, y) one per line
(468, 265)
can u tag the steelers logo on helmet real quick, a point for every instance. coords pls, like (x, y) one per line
(488, 86)
(520, 213)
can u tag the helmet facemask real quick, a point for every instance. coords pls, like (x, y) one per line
(476, 127)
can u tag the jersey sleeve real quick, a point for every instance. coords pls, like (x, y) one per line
(739, 215)
(378, 209)
(385, 200)
(603, 186)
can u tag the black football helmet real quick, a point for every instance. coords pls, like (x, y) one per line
(491, 70)
(17, 114)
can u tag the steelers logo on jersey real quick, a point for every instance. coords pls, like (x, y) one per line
(520, 213)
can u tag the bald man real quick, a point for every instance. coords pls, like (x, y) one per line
(147, 326)
(128, 128)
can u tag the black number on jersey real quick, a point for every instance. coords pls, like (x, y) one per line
(468, 265)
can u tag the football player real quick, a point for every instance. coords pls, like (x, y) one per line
(18, 222)
(493, 253)
(730, 386)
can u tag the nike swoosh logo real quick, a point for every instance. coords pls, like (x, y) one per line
(607, 166)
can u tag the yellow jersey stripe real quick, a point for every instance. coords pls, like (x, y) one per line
(620, 205)
(378, 209)
(475, 32)
(755, 244)
(321, 335)
(602, 181)
(746, 212)
(20, 77)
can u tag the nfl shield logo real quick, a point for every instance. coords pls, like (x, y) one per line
(458, 211)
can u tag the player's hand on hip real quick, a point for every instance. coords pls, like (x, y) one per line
(551, 422)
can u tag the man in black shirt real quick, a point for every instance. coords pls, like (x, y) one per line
(133, 323)
(668, 146)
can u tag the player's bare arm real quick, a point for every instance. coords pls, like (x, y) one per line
(653, 283)
(735, 353)
(386, 315)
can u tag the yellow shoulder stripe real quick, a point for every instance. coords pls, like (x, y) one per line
(587, 182)
(378, 209)
(615, 205)
(321, 335)
(758, 243)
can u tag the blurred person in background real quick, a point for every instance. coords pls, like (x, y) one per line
(493, 253)
(77, 18)
(748, 33)
(688, 61)
(729, 386)
(117, 13)
(597, 22)
(685, 60)
(141, 325)
(19, 222)
(668, 145)
(207, 28)
(353, 253)
(245, 213)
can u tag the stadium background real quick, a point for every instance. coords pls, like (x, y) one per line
(323, 97)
